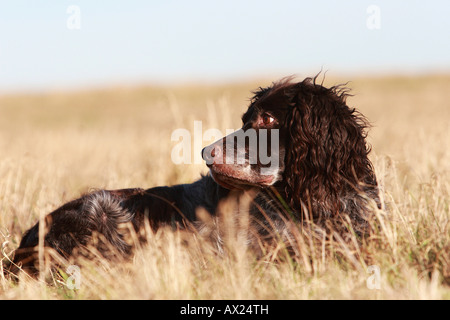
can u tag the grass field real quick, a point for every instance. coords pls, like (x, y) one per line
(57, 145)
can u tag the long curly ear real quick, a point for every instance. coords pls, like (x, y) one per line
(297, 146)
(326, 156)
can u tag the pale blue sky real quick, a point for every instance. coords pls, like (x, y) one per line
(177, 41)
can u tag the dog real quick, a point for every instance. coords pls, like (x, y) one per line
(301, 151)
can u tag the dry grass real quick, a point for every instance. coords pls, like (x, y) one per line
(55, 146)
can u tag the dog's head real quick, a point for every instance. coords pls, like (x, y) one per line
(300, 137)
(253, 156)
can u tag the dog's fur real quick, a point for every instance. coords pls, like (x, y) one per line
(323, 174)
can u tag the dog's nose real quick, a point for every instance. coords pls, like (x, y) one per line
(211, 153)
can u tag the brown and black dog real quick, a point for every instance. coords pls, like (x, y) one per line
(301, 149)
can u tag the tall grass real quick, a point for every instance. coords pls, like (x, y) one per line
(54, 146)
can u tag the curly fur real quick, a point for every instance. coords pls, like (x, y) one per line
(327, 169)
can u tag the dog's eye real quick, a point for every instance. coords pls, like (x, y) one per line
(266, 119)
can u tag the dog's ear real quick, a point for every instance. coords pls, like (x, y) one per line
(297, 145)
(326, 152)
